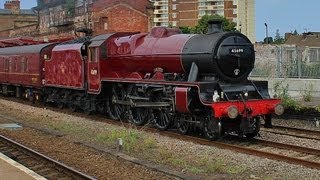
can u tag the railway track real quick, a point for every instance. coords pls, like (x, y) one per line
(37, 162)
(295, 132)
(298, 155)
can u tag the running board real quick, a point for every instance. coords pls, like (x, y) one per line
(142, 104)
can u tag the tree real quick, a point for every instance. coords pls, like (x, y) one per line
(70, 8)
(277, 38)
(186, 29)
(202, 26)
(268, 40)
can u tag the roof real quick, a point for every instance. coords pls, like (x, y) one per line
(68, 47)
(306, 39)
(99, 40)
(23, 49)
(22, 12)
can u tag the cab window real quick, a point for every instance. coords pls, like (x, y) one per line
(94, 55)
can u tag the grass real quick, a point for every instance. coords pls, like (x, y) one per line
(307, 93)
(196, 165)
(133, 141)
(66, 127)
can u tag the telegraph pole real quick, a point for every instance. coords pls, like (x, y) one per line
(267, 37)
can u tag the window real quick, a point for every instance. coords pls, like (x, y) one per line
(220, 3)
(235, 11)
(16, 65)
(164, 15)
(174, 15)
(220, 12)
(10, 65)
(104, 23)
(202, 4)
(165, 24)
(291, 56)
(314, 55)
(94, 54)
(174, 23)
(201, 13)
(103, 50)
(174, 7)
(24, 65)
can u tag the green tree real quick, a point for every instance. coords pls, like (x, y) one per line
(202, 26)
(70, 8)
(186, 29)
(278, 39)
(268, 40)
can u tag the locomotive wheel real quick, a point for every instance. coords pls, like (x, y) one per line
(212, 129)
(116, 111)
(139, 116)
(182, 126)
(162, 119)
(256, 128)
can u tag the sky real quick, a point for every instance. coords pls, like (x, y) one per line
(285, 15)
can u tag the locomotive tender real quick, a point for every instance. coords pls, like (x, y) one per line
(169, 79)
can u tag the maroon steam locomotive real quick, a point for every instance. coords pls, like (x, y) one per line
(169, 79)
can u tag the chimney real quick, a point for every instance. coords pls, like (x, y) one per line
(13, 5)
(214, 26)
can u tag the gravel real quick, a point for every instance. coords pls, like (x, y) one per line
(239, 166)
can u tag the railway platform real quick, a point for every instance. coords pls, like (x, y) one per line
(11, 170)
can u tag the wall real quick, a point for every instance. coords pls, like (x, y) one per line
(276, 65)
(10, 21)
(120, 18)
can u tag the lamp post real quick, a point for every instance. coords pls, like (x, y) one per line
(267, 37)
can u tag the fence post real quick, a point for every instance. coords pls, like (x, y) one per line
(298, 62)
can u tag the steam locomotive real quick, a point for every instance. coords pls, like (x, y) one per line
(165, 78)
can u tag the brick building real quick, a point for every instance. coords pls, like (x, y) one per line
(310, 39)
(121, 15)
(12, 17)
(63, 17)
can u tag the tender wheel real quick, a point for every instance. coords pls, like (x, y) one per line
(116, 111)
(60, 105)
(182, 125)
(162, 119)
(256, 124)
(212, 129)
(89, 102)
(139, 116)
(74, 103)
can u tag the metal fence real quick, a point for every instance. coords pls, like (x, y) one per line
(287, 61)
